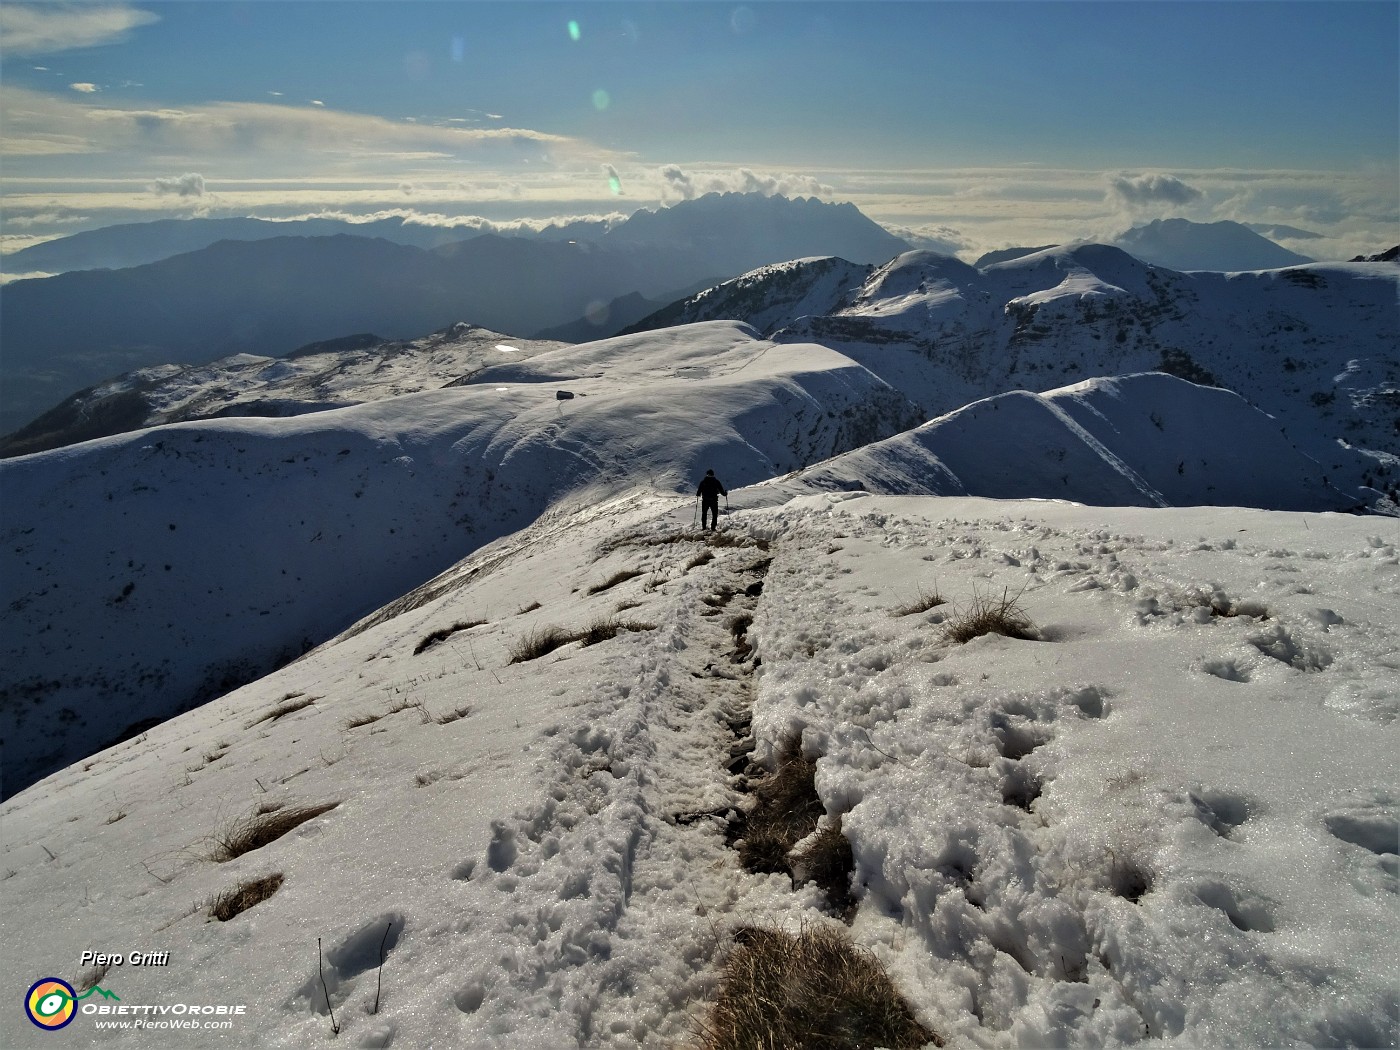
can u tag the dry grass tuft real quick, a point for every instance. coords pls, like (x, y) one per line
(828, 861)
(989, 615)
(527, 608)
(444, 633)
(541, 641)
(244, 896)
(925, 601)
(544, 640)
(355, 721)
(290, 703)
(411, 705)
(603, 630)
(786, 810)
(255, 832)
(815, 990)
(618, 577)
(703, 558)
(453, 715)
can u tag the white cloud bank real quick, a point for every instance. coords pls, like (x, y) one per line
(262, 139)
(1150, 190)
(679, 184)
(42, 29)
(190, 184)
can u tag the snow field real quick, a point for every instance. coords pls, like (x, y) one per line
(1096, 837)
(1085, 839)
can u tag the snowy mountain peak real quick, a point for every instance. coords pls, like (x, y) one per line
(1223, 246)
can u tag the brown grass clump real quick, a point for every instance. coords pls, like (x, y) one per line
(828, 861)
(603, 630)
(290, 703)
(786, 810)
(925, 601)
(541, 641)
(452, 716)
(544, 640)
(255, 832)
(244, 896)
(988, 615)
(704, 557)
(444, 633)
(618, 577)
(815, 990)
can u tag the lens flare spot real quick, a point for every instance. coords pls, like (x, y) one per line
(601, 100)
(597, 313)
(574, 32)
(615, 185)
(459, 49)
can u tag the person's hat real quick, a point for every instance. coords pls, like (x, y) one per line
(710, 471)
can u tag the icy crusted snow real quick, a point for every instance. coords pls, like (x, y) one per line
(1172, 816)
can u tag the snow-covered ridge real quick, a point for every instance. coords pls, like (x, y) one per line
(1144, 440)
(1317, 347)
(151, 571)
(1173, 817)
(342, 372)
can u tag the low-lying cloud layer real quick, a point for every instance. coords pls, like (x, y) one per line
(41, 29)
(680, 184)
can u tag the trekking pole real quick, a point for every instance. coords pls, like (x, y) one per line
(696, 520)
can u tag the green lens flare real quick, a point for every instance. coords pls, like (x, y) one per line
(601, 100)
(574, 33)
(615, 184)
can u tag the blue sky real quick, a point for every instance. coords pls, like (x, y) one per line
(964, 117)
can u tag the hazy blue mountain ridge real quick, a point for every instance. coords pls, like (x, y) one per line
(270, 296)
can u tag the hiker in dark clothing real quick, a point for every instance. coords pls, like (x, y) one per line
(709, 492)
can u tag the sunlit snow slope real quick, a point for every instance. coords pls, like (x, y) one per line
(1316, 346)
(341, 372)
(1168, 818)
(1146, 440)
(149, 572)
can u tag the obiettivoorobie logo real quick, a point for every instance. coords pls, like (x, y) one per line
(51, 1003)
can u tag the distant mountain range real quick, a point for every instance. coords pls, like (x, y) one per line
(1316, 346)
(1180, 244)
(270, 296)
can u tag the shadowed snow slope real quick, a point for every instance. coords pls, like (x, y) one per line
(1169, 820)
(151, 571)
(1144, 440)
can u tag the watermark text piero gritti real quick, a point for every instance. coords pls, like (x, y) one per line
(127, 959)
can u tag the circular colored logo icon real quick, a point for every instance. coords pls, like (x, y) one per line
(51, 1003)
